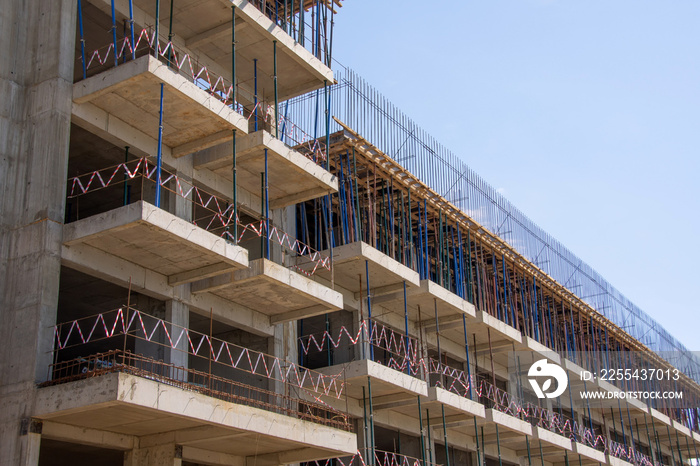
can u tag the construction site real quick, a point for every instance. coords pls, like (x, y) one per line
(219, 247)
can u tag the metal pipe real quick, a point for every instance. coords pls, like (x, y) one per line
(267, 211)
(274, 79)
(328, 122)
(235, 192)
(126, 177)
(371, 416)
(444, 436)
(114, 36)
(405, 319)
(420, 426)
(255, 91)
(369, 309)
(159, 160)
(170, 32)
(430, 440)
(233, 56)
(156, 43)
(131, 28)
(82, 38)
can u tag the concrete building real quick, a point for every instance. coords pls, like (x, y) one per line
(191, 276)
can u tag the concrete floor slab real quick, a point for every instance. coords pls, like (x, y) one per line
(297, 69)
(292, 177)
(551, 438)
(588, 452)
(386, 382)
(531, 344)
(499, 329)
(386, 274)
(126, 404)
(273, 290)
(448, 303)
(613, 461)
(193, 119)
(157, 240)
(508, 422)
(455, 404)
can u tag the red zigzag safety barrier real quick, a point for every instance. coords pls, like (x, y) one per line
(146, 327)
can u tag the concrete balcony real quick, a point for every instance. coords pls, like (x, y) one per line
(146, 411)
(273, 290)
(193, 119)
(391, 389)
(350, 263)
(156, 240)
(459, 411)
(292, 177)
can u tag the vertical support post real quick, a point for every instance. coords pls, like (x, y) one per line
(235, 192)
(233, 56)
(262, 204)
(410, 231)
(170, 32)
(328, 122)
(364, 417)
(255, 91)
(444, 436)
(274, 78)
(267, 212)
(159, 160)
(131, 28)
(437, 337)
(114, 36)
(369, 310)
(420, 426)
(405, 321)
(358, 214)
(371, 416)
(425, 240)
(82, 38)
(498, 443)
(430, 440)
(126, 177)
(156, 43)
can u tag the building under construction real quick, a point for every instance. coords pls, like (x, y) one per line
(217, 250)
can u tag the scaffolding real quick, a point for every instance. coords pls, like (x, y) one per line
(367, 112)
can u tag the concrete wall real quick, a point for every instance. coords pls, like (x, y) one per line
(36, 71)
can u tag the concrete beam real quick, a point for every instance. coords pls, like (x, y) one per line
(208, 457)
(87, 436)
(113, 269)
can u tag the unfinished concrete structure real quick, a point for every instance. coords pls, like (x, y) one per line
(191, 276)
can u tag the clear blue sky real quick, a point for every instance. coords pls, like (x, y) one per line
(586, 114)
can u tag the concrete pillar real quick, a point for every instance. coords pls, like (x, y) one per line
(30, 441)
(178, 314)
(177, 205)
(284, 346)
(162, 455)
(37, 40)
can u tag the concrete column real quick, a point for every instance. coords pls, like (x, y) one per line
(178, 205)
(162, 455)
(284, 346)
(30, 441)
(37, 40)
(178, 313)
